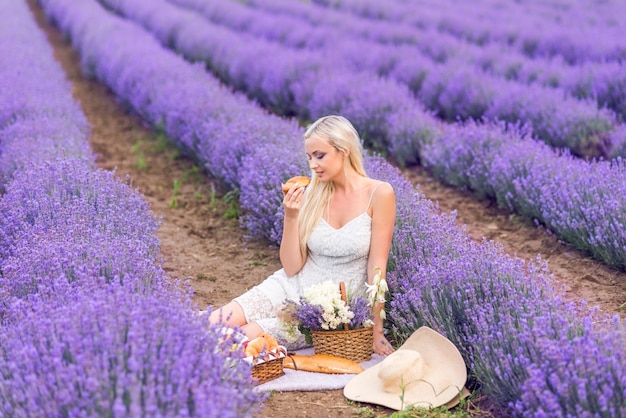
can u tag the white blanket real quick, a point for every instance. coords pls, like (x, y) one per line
(300, 380)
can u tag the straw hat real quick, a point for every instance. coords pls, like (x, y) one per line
(426, 371)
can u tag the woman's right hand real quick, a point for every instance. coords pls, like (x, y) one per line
(293, 200)
(290, 256)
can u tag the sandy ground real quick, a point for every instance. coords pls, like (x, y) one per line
(200, 242)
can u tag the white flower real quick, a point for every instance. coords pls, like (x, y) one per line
(377, 290)
(335, 311)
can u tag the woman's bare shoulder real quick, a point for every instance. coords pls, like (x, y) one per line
(381, 188)
(382, 196)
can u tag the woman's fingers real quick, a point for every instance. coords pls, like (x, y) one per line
(383, 347)
(293, 197)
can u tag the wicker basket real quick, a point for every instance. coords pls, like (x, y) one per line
(354, 344)
(268, 370)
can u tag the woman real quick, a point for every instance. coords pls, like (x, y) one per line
(340, 229)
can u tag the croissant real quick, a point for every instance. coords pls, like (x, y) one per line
(322, 363)
(300, 181)
(263, 343)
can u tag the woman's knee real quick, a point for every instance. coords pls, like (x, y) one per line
(229, 314)
(252, 330)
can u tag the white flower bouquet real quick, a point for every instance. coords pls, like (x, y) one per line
(321, 308)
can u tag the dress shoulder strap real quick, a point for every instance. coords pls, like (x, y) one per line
(372, 195)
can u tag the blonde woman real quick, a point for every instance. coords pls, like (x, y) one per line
(339, 229)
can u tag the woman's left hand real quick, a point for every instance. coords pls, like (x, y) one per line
(382, 346)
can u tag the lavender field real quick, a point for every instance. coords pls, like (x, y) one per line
(533, 120)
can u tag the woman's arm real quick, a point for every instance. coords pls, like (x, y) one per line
(290, 257)
(383, 222)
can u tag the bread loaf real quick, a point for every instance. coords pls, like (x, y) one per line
(300, 181)
(263, 343)
(322, 363)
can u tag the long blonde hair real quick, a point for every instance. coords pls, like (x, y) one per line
(339, 133)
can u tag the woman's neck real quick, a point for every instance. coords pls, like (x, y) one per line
(348, 183)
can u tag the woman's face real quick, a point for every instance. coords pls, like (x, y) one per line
(324, 159)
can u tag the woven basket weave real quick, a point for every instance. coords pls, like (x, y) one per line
(354, 344)
(269, 370)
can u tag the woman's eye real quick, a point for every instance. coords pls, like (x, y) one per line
(318, 156)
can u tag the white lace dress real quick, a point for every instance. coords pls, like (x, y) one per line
(334, 254)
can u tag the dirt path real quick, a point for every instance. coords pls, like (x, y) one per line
(201, 243)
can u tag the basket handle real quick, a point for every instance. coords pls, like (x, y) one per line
(344, 297)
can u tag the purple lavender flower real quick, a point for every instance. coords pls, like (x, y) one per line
(114, 351)
(310, 315)
(362, 312)
(39, 119)
(447, 86)
(65, 220)
(437, 275)
(90, 324)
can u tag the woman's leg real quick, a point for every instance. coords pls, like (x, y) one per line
(252, 330)
(232, 315)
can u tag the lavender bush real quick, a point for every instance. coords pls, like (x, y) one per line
(207, 121)
(505, 190)
(265, 169)
(617, 251)
(407, 129)
(113, 351)
(527, 177)
(293, 83)
(441, 278)
(63, 220)
(39, 119)
(602, 81)
(582, 39)
(451, 88)
(89, 324)
(584, 347)
(471, 299)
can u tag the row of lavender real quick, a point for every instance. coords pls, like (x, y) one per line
(451, 89)
(603, 81)
(591, 31)
(515, 365)
(89, 323)
(500, 164)
(56, 125)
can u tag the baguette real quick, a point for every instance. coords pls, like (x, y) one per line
(322, 363)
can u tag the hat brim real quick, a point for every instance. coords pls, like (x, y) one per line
(443, 387)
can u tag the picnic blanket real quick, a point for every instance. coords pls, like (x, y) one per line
(300, 380)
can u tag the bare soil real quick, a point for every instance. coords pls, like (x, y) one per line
(202, 243)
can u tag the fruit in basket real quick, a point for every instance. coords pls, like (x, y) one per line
(322, 363)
